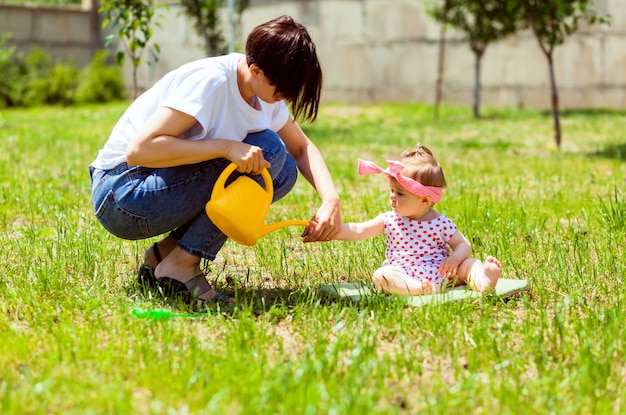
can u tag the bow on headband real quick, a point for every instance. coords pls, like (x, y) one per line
(395, 171)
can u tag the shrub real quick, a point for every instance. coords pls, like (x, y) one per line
(63, 82)
(33, 88)
(34, 79)
(100, 82)
(10, 70)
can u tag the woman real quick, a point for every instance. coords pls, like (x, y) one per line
(158, 168)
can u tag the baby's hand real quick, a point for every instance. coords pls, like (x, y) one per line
(448, 267)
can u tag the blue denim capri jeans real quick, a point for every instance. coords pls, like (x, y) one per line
(134, 202)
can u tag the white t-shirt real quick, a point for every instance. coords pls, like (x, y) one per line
(207, 90)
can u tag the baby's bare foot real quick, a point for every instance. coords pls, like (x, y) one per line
(490, 275)
(427, 288)
(435, 289)
(420, 287)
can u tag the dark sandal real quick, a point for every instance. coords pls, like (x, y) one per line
(191, 290)
(145, 274)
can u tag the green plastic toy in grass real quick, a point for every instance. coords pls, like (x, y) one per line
(162, 314)
(357, 291)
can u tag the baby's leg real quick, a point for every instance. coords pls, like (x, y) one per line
(481, 277)
(393, 280)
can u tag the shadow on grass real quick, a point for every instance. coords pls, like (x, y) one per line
(259, 301)
(613, 151)
(472, 144)
(279, 303)
(590, 112)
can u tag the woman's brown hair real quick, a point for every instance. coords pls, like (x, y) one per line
(285, 53)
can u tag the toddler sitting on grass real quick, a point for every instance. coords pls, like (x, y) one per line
(425, 250)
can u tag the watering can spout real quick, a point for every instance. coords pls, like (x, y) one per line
(240, 209)
(274, 226)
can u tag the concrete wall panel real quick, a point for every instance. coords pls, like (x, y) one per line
(65, 33)
(376, 51)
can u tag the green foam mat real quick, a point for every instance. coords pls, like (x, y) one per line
(357, 291)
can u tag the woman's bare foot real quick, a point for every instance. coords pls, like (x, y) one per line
(179, 265)
(163, 249)
(486, 280)
(184, 267)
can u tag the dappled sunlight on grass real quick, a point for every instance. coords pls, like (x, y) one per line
(553, 217)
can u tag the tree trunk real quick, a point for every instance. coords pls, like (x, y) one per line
(95, 26)
(440, 60)
(208, 47)
(554, 95)
(478, 54)
(134, 61)
(135, 92)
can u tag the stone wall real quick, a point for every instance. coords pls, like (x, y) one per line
(378, 50)
(67, 33)
(374, 51)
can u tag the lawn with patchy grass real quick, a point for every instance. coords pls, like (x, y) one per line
(70, 343)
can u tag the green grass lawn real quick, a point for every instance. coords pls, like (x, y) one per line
(69, 343)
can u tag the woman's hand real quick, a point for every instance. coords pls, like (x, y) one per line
(326, 223)
(157, 144)
(249, 158)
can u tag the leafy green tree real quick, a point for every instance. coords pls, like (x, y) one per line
(132, 19)
(206, 18)
(482, 22)
(552, 22)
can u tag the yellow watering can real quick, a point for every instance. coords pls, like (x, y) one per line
(239, 210)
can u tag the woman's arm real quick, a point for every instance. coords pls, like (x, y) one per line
(312, 166)
(157, 145)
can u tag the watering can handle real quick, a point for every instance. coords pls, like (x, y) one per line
(220, 183)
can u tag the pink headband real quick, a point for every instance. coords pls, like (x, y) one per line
(394, 170)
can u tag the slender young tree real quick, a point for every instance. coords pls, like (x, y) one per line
(482, 22)
(206, 20)
(133, 22)
(440, 14)
(552, 22)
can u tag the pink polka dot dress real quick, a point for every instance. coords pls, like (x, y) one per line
(418, 247)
